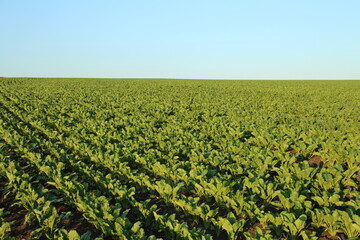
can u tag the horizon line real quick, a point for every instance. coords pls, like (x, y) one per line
(222, 79)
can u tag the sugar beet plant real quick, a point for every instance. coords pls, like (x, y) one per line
(180, 159)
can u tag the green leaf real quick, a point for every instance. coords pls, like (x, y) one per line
(73, 235)
(86, 236)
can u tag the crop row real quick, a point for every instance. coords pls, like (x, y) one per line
(142, 163)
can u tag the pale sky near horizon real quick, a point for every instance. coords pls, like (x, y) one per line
(257, 39)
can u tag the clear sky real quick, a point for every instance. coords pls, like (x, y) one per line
(252, 39)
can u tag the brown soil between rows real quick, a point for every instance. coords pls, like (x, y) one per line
(317, 161)
(76, 221)
(326, 236)
(252, 229)
(15, 215)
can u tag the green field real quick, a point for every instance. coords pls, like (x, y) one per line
(179, 159)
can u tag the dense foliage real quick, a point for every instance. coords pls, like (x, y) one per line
(180, 159)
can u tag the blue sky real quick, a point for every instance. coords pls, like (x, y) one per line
(253, 39)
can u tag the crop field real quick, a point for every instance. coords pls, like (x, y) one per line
(179, 159)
